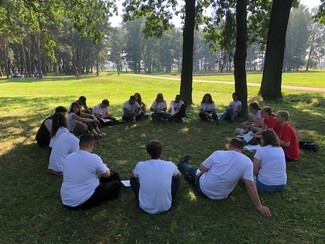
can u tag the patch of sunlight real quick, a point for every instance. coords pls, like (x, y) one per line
(191, 196)
(10, 143)
(185, 130)
(143, 135)
(313, 112)
(101, 215)
(121, 162)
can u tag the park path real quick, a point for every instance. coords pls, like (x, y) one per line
(297, 88)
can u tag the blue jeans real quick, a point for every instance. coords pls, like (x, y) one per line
(229, 114)
(265, 188)
(193, 171)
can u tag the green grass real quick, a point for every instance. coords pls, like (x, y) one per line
(31, 211)
(305, 79)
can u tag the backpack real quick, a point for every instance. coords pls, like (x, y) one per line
(308, 145)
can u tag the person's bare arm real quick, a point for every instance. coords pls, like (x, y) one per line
(202, 168)
(257, 165)
(107, 173)
(253, 195)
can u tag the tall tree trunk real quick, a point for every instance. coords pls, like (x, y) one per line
(272, 73)
(23, 56)
(187, 61)
(38, 39)
(29, 61)
(7, 67)
(97, 62)
(241, 53)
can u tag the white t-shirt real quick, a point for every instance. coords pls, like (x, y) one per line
(159, 106)
(99, 110)
(71, 122)
(273, 166)
(207, 107)
(155, 178)
(225, 169)
(235, 104)
(175, 107)
(131, 107)
(256, 116)
(60, 131)
(80, 177)
(48, 124)
(66, 144)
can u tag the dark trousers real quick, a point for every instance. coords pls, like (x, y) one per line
(191, 174)
(108, 189)
(180, 114)
(135, 185)
(204, 117)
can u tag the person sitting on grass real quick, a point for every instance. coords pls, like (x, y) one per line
(100, 111)
(232, 110)
(81, 188)
(82, 101)
(66, 144)
(287, 135)
(208, 109)
(218, 175)
(76, 116)
(143, 107)
(131, 110)
(254, 122)
(269, 120)
(159, 109)
(177, 110)
(270, 164)
(59, 127)
(155, 181)
(43, 135)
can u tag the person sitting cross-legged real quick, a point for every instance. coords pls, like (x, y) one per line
(155, 181)
(177, 110)
(232, 110)
(218, 175)
(100, 111)
(81, 187)
(131, 110)
(208, 109)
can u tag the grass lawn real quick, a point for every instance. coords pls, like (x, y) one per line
(31, 210)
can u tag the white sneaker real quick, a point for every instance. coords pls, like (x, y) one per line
(184, 120)
(102, 134)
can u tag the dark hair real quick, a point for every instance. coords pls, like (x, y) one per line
(154, 149)
(178, 96)
(86, 139)
(105, 102)
(254, 105)
(270, 138)
(80, 129)
(140, 99)
(267, 110)
(235, 94)
(159, 94)
(132, 98)
(75, 104)
(59, 120)
(237, 143)
(82, 100)
(210, 98)
(60, 109)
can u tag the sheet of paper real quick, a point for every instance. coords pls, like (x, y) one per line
(252, 148)
(105, 120)
(126, 183)
(248, 136)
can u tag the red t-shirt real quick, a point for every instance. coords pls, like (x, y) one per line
(288, 133)
(270, 122)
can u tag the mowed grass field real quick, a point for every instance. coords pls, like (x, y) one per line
(31, 210)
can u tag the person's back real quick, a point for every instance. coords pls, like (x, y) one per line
(155, 178)
(43, 135)
(226, 168)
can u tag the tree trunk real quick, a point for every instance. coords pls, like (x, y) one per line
(29, 62)
(187, 61)
(272, 73)
(241, 53)
(23, 57)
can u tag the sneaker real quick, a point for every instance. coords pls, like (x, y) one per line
(185, 158)
(188, 178)
(184, 120)
(102, 134)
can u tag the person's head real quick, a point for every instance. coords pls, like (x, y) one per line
(159, 97)
(75, 108)
(269, 138)
(178, 98)
(154, 149)
(207, 98)
(132, 99)
(282, 116)
(87, 142)
(105, 103)
(137, 97)
(80, 129)
(236, 144)
(61, 110)
(253, 107)
(59, 120)
(266, 112)
(235, 96)
(82, 100)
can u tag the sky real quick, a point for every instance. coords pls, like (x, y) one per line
(116, 20)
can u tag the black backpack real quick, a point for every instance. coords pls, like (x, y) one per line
(308, 145)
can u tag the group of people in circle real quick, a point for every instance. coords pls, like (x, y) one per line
(87, 180)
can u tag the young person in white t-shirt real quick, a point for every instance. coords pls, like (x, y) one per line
(159, 109)
(59, 127)
(270, 164)
(255, 120)
(66, 144)
(218, 175)
(208, 109)
(100, 111)
(81, 187)
(131, 110)
(232, 110)
(177, 110)
(155, 181)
